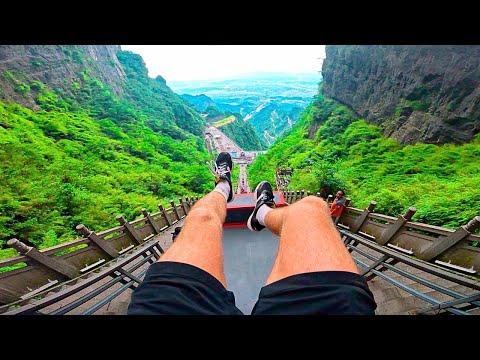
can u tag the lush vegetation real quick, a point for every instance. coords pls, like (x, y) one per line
(237, 129)
(242, 133)
(89, 155)
(60, 169)
(270, 102)
(330, 148)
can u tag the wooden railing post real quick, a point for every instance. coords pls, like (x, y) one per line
(357, 225)
(302, 193)
(183, 206)
(97, 240)
(309, 193)
(395, 227)
(129, 229)
(298, 196)
(151, 221)
(58, 265)
(164, 215)
(187, 201)
(175, 210)
(441, 245)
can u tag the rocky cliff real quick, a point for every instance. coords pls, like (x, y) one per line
(102, 80)
(416, 93)
(58, 66)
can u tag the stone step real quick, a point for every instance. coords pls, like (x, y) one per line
(399, 302)
(400, 306)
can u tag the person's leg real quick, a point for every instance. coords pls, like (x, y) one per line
(189, 277)
(313, 272)
(309, 240)
(200, 241)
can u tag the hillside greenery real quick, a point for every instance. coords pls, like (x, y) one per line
(235, 127)
(242, 133)
(330, 148)
(89, 155)
(60, 169)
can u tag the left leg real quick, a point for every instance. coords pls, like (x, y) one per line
(189, 278)
(200, 241)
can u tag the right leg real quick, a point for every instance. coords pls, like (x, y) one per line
(308, 240)
(313, 272)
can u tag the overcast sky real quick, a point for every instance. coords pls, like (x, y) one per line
(205, 62)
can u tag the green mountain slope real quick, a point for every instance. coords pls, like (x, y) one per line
(240, 131)
(90, 143)
(243, 134)
(271, 102)
(200, 102)
(272, 120)
(331, 148)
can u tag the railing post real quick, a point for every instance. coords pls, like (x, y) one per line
(183, 206)
(175, 210)
(302, 192)
(298, 196)
(395, 227)
(187, 202)
(309, 193)
(58, 265)
(97, 240)
(164, 215)
(129, 229)
(151, 221)
(357, 225)
(441, 245)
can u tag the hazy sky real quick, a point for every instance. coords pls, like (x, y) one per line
(204, 62)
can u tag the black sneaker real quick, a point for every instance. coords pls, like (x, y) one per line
(263, 195)
(222, 169)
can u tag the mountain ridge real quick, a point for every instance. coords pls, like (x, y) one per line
(86, 135)
(271, 103)
(416, 93)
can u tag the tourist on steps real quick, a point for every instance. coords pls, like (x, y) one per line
(313, 272)
(337, 206)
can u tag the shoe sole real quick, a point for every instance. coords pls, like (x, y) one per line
(249, 221)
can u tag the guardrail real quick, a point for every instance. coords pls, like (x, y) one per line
(49, 270)
(437, 265)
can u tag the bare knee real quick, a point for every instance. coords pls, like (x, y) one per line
(200, 216)
(313, 203)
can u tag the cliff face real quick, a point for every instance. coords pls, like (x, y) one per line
(58, 66)
(102, 80)
(416, 93)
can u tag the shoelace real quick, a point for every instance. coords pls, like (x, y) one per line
(267, 197)
(216, 170)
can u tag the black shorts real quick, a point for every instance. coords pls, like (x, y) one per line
(172, 288)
